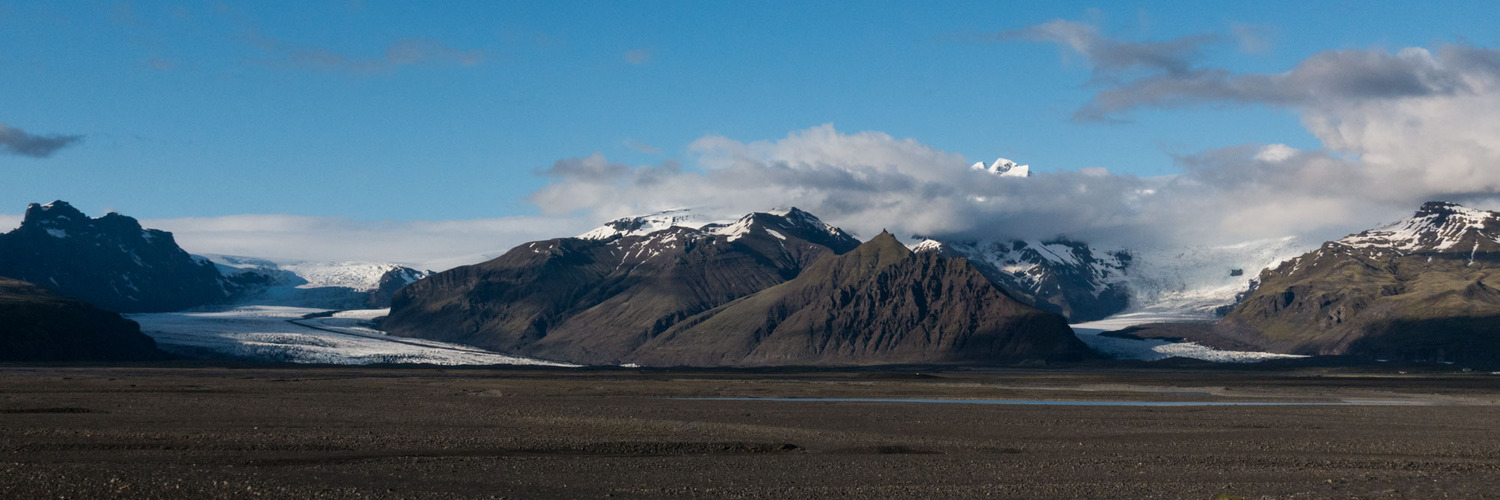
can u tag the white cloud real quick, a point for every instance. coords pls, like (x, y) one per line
(435, 245)
(1275, 153)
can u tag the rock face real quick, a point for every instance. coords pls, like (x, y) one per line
(1060, 276)
(36, 325)
(878, 304)
(597, 299)
(389, 283)
(110, 262)
(1425, 288)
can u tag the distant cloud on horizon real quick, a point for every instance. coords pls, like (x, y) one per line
(429, 244)
(16, 141)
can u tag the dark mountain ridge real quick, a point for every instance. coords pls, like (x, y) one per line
(37, 325)
(110, 261)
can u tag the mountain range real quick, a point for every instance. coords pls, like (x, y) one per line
(769, 288)
(784, 287)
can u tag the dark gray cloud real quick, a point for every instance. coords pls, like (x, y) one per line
(1397, 128)
(1110, 57)
(1167, 77)
(20, 142)
(1328, 77)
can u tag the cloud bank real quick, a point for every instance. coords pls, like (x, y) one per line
(1397, 127)
(435, 245)
(15, 141)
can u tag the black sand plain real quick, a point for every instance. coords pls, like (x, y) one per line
(188, 431)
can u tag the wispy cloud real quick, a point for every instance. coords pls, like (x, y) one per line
(638, 56)
(1110, 57)
(404, 52)
(1169, 76)
(1253, 38)
(641, 147)
(436, 245)
(16, 141)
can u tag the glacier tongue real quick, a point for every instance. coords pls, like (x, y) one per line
(1193, 281)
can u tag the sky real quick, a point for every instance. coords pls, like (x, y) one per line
(368, 130)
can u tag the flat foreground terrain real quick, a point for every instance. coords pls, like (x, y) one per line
(153, 432)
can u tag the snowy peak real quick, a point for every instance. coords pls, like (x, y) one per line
(646, 224)
(777, 224)
(1436, 227)
(1004, 168)
(811, 225)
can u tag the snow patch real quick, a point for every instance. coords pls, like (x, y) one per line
(1004, 168)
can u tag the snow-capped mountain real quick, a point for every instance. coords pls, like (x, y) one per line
(1004, 168)
(646, 225)
(336, 285)
(769, 288)
(1436, 227)
(1061, 276)
(1421, 288)
(110, 262)
(598, 298)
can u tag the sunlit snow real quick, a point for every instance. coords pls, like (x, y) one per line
(275, 333)
(1152, 350)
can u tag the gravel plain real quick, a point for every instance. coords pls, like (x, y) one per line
(338, 432)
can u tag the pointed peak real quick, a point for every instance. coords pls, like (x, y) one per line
(885, 239)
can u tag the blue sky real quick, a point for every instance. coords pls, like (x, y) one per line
(356, 122)
(204, 109)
